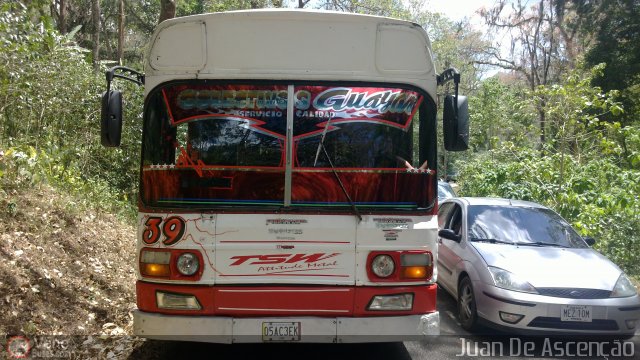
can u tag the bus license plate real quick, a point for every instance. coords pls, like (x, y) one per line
(281, 331)
(581, 313)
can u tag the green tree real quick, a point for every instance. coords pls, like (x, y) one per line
(612, 29)
(49, 114)
(499, 115)
(542, 46)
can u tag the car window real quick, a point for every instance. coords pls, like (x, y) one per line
(455, 223)
(450, 217)
(444, 212)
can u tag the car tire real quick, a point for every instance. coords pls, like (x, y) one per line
(467, 312)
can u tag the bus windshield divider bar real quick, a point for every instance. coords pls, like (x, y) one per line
(289, 146)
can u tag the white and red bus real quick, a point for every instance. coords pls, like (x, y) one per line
(288, 189)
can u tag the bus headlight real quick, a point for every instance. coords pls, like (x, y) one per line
(188, 264)
(383, 266)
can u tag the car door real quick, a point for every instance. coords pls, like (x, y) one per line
(449, 217)
(444, 254)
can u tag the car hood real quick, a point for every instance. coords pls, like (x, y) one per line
(551, 266)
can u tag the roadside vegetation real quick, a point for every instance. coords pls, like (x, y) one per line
(49, 116)
(67, 246)
(559, 124)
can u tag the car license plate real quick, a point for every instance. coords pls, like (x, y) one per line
(281, 331)
(583, 313)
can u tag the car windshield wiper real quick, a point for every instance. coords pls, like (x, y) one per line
(540, 243)
(493, 241)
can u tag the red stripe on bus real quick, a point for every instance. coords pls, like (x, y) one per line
(322, 301)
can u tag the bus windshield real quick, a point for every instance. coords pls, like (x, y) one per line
(236, 145)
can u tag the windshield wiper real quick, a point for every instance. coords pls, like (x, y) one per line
(321, 143)
(335, 173)
(493, 241)
(540, 244)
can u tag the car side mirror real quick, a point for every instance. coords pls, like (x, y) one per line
(449, 234)
(455, 123)
(111, 118)
(590, 241)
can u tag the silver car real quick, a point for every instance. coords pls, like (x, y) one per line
(445, 190)
(519, 265)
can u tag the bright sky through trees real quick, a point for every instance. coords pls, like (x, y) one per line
(458, 9)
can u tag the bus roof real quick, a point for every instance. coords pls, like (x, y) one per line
(281, 44)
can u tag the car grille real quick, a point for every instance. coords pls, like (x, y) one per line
(556, 323)
(574, 293)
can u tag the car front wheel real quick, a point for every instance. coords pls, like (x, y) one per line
(467, 313)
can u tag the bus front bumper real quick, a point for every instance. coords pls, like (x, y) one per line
(219, 329)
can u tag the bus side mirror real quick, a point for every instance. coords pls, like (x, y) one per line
(111, 118)
(455, 123)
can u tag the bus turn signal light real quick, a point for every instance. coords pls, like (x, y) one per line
(155, 263)
(155, 270)
(415, 272)
(416, 265)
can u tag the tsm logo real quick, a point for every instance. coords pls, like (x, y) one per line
(280, 258)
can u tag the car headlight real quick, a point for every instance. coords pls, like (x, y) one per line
(506, 280)
(623, 287)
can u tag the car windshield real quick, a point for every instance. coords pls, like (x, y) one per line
(522, 225)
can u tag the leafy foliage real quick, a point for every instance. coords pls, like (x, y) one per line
(49, 113)
(499, 115)
(613, 31)
(25, 167)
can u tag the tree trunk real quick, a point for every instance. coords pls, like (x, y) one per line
(62, 17)
(543, 125)
(95, 13)
(167, 10)
(120, 31)
(59, 13)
